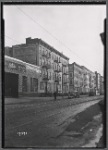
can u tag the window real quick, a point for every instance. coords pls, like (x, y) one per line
(43, 52)
(52, 56)
(70, 81)
(71, 74)
(76, 82)
(24, 84)
(80, 72)
(59, 87)
(46, 52)
(31, 84)
(41, 85)
(49, 54)
(53, 76)
(59, 59)
(50, 75)
(49, 87)
(60, 79)
(52, 65)
(40, 51)
(40, 61)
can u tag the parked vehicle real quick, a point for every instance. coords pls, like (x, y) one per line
(74, 95)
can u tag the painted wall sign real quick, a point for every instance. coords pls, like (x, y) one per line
(12, 66)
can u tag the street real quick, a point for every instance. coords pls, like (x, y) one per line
(61, 123)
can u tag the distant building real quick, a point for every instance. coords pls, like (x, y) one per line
(89, 80)
(81, 79)
(101, 85)
(75, 78)
(54, 65)
(98, 82)
(8, 51)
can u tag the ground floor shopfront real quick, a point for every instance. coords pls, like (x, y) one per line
(20, 78)
(51, 87)
(23, 79)
(82, 90)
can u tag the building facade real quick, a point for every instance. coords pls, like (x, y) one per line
(81, 79)
(21, 78)
(89, 80)
(98, 83)
(53, 64)
(75, 78)
(101, 85)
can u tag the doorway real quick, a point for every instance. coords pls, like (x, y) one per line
(11, 85)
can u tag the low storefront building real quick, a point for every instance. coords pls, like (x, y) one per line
(21, 78)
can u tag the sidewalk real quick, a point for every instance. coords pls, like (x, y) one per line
(39, 99)
(32, 99)
(85, 129)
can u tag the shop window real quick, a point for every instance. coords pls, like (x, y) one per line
(31, 84)
(24, 84)
(49, 87)
(35, 82)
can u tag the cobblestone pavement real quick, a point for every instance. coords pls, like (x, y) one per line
(61, 123)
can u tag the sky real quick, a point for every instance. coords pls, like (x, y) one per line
(73, 30)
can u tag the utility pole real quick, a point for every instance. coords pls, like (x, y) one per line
(102, 104)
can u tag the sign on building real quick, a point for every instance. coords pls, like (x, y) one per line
(12, 66)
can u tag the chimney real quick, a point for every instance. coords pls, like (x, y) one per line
(28, 40)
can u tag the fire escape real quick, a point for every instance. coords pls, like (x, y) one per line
(65, 75)
(57, 70)
(46, 66)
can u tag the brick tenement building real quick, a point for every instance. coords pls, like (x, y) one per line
(98, 82)
(101, 85)
(82, 79)
(75, 78)
(89, 80)
(54, 65)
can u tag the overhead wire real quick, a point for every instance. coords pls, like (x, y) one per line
(52, 36)
(11, 38)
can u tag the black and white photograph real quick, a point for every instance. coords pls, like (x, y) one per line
(54, 75)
